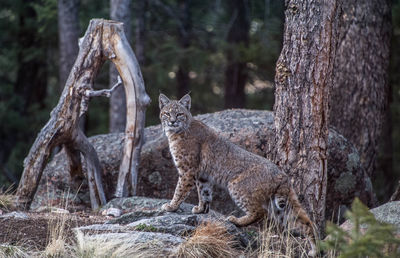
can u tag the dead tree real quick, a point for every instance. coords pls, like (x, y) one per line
(119, 11)
(103, 40)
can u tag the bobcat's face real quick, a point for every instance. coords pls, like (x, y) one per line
(175, 115)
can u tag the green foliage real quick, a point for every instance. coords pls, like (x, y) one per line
(146, 228)
(367, 238)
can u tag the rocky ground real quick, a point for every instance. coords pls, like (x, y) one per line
(127, 220)
(139, 221)
(32, 229)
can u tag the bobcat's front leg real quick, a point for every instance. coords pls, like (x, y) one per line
(204, 191)
(185, 184)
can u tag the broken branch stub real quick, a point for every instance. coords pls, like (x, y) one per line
(103, 40)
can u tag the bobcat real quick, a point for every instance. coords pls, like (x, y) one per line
(203, 158)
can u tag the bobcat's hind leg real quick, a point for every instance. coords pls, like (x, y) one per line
(251, 209)
(204, 191)
(244, 220)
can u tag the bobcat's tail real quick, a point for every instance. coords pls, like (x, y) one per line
(303, 221)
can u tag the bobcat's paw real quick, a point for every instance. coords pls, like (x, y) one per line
(201, 209)
(197, 209)
(232, 219)
(312, 253)
(168, 207)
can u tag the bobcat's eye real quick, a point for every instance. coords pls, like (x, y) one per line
(179, 115)
(166, 115)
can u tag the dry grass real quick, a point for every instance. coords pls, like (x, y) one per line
(91, 247)
(274, 243)
(210, 239)
(7, 199)
(11, 251)
(57, 246)
(57, 240)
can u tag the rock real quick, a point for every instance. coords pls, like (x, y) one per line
(387, 213)
(143, 220)
(134, 244)
(253, 130)
(59, 210)
(114, 212)
(15, 215)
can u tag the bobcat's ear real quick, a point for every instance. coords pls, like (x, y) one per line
(186, 101)
(163, 100)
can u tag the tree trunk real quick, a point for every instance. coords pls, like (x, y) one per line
(140, 32)
(120, 10)
(384, 176)
(184, 32)
(68, 34)
(238, 36)
(303, 79)
(103, 40)
(358, 100)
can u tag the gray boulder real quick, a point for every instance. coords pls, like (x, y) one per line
(387, 213)
(143, 221)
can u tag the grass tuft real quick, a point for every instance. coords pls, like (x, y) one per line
(11, 251)
(274, 243)
(7, 199)
(210, 239)
(91, 246)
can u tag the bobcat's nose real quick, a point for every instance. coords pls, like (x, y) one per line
(171, 123)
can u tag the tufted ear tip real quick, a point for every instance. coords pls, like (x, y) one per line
(186, 101)
(163, 100)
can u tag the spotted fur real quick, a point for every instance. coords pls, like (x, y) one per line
(203, 159)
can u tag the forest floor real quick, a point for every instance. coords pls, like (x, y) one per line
(33, 230)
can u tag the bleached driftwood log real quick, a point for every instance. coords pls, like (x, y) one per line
(103, 40)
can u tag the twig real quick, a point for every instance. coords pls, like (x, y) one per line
(104, 92)
(97, 93)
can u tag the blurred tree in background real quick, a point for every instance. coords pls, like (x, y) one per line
(182, 45)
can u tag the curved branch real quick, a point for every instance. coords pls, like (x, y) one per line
(137, 100)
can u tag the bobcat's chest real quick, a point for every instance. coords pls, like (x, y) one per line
(177, 151)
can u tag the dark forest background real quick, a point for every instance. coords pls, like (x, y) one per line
(182, 46)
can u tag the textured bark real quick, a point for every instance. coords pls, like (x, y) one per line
(384, 176)
(360, 85)
(120, 10)
(303, 79)
(103, 39)
(396, 195)
(253, 130)
(140, 32)
(238, 36)
(68, 34)
(184, 32)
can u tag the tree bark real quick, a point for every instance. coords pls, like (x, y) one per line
(120, 10)
(359, 96)
(103, 40)
(140, 32)
(236, 71)
(184, 32)
(68, 34)
(303, 79)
